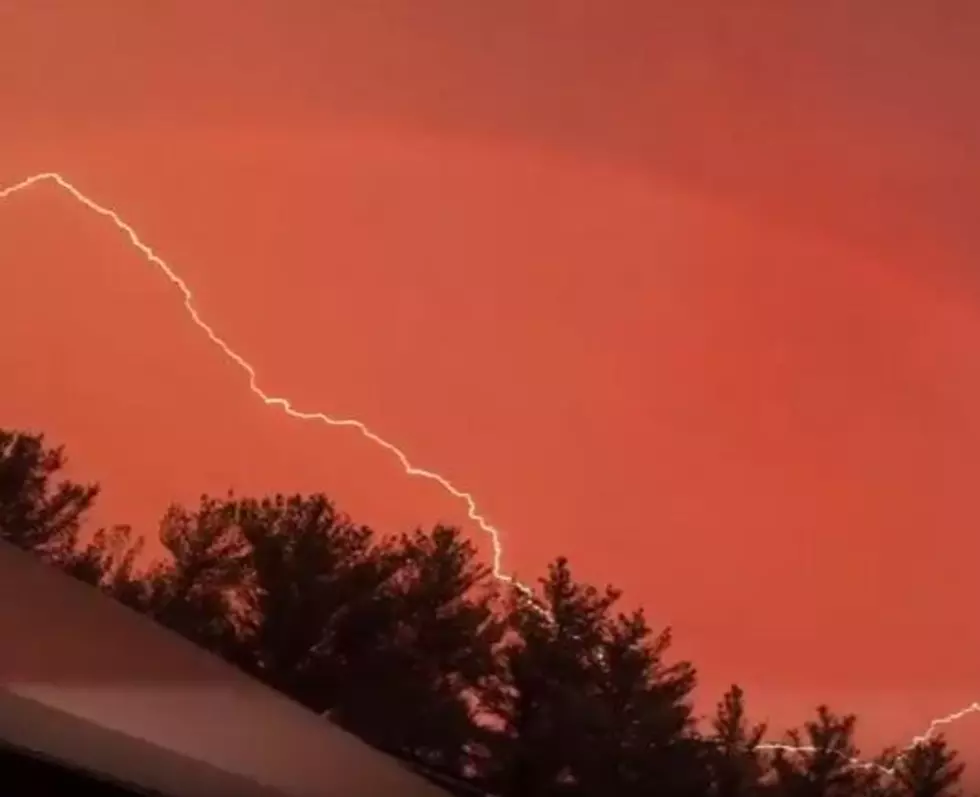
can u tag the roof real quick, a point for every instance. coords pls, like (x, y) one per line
(92, 683)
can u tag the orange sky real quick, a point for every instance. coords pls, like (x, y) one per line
(689, 296)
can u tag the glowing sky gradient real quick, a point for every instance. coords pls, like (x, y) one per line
(688, 296)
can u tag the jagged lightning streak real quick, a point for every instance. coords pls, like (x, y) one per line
(284, 404)
(934, 728)
(473, 511)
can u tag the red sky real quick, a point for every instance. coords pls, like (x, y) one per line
(689, 296)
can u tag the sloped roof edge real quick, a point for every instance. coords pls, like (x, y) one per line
(95, 684)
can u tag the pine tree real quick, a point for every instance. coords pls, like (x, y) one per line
(736, 766)
(39, 512)
(587, 704)
(825, 767)
(929, 769)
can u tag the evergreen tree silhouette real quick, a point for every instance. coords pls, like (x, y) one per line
(193, 589)
(40, 512)
(432, 652)
(393, 638)
(588, 706)
(109, 560)
(826, 767)
(929, 769)
(407, 642)
(736, 767)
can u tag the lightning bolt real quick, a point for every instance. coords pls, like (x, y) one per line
(935, 726)
(472, 510)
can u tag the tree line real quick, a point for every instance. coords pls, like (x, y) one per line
(407, 641)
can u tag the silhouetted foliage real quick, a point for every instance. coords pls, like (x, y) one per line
(109, 561)
(306, 573)
(826, 770)
(929, 769)
(408, 642)
(38, 513)
(431, 655)
(734, 761)
(587, 704)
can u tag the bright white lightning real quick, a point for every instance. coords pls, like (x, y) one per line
(934, 727)
(284, 404)
(275, 401)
